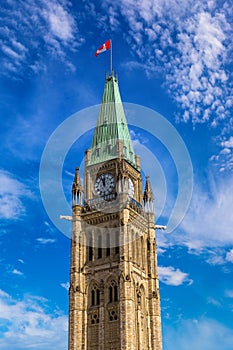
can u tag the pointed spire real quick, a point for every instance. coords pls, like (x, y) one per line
(77, 189)
(111, 137)
(148, 197)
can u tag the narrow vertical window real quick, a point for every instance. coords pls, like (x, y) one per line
(142, 249)
(92, 297)
(108, 245)
(90, 253)
(117, 243)
(110, 294)
(115, 293)
(99, 247)
(90, 250)
(97, 296)
(148, 244)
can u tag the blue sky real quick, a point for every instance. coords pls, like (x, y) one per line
(174, 57)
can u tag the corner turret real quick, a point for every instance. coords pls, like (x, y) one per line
(148, 197)
(77, 189)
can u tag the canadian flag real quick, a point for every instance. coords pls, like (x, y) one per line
(106, 46)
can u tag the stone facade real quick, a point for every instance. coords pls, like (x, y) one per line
(114, 300)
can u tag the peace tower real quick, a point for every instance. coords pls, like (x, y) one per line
(114, 300)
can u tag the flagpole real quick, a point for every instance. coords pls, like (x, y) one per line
(110, 56)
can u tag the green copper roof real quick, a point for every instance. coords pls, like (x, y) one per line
(111, 128)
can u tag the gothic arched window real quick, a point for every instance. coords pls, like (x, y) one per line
(115, 293)
(92, 297)
(112, 292)
(95, 295)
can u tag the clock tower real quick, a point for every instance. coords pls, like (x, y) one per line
(114, 300)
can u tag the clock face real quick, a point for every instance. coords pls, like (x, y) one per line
(104, 184)
(130, 188)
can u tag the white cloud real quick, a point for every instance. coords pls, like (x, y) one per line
(45, 26)
(223, 161)
(228, 143)
(4, 294)
(229, 256)
(11, 207)
(225, 151)
(65, 285)
(194, 39)
(21, 261)
(205, 334)
(11, 193)
(17, 272)
(10, 52)
(173, 277)
(45, 240)
(62, 24)
(209, 221)
(28, 325)
(216, 257)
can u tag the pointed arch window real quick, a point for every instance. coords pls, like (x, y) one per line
(95, 296)
(115, 293)
(112, 292)
(92, 297)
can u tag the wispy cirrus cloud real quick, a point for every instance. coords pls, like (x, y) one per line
(12, 191)
(27, 323)
(203, 333)
(46, 27)
(21, 261)
(207, 226)
(209, 221)
(190, 44)
(42, 240)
